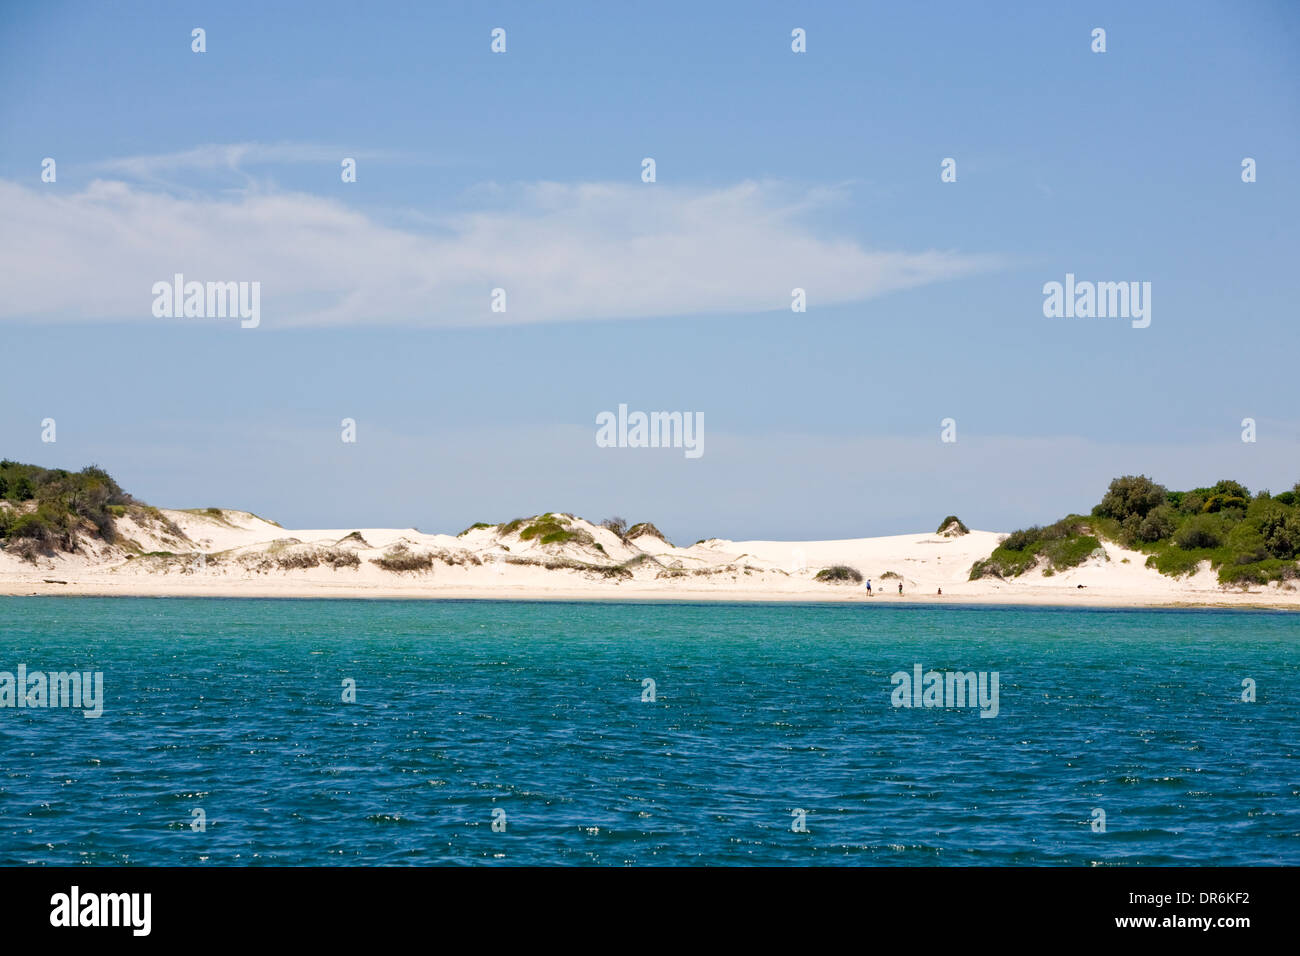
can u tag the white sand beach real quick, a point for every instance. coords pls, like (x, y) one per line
(227, 553)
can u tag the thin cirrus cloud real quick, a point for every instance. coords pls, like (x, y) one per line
(561, 252)
(234, 161)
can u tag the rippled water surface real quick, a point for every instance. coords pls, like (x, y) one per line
(535, 709)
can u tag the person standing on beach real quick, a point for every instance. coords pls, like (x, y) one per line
(900, 588)
(868, 587)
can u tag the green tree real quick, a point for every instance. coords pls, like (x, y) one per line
(1130, 495)
(1232, 489)
(1199, 531)
(1159, 523)
(1281, 533)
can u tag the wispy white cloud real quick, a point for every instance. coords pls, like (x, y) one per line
(226, 157)
(561, 251)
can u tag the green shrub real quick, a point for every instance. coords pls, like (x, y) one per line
(951, 519)
(1023, 540)
(1248, 539)
(1223, 502)
(1159, 523)
(548, 530)
(1169, 559)
(1258, 572)
(1200, 531)
(65, 500)
(1231, 489)
(839, 574)
(1065, 544)
(1280, 532)
(31, 527)
(554, 529)
(1130, 495)
(1070, 552)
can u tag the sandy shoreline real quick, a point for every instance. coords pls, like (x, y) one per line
(629, 596)
(232, 554)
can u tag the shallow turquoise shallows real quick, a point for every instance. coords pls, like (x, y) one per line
(532, 715)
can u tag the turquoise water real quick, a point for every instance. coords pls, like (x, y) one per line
(536, 709)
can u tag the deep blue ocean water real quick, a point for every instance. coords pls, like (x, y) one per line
(535, 709)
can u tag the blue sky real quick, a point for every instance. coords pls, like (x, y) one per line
(774, 170)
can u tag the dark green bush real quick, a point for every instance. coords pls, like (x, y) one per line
(839, 574)
(1130, 495)
(1022, 540)
(1200, 531)
(1280, 531)
(1159, 523)
(1231, 489)
(1249, 539)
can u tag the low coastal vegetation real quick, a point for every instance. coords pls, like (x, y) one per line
(1248, 538)
(554, 529)
(549, 528)
(644, 528)
(1064, 544)
(43, 510)
(952, 527)
(400, 558)
(317, 557)
(839, 574)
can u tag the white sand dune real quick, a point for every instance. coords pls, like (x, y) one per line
(235, 553)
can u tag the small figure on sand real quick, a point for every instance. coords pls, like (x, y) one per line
(868, 587)
(900, 588)
(940, 592)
